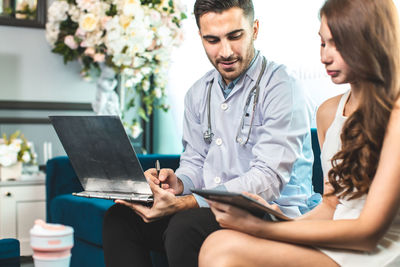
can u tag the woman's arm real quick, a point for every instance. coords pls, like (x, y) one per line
(382, 205)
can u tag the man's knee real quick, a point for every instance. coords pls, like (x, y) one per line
(194, 224)
(116, 217)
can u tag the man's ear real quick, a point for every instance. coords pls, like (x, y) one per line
(255, 29)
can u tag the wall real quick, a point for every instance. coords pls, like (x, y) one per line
(29, 71)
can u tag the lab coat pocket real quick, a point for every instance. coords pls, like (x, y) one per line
(249, 129)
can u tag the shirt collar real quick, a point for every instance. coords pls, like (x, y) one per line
(232, 84)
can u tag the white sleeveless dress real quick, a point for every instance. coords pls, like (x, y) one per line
(387, 252)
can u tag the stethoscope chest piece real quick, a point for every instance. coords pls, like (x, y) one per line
(208, 136)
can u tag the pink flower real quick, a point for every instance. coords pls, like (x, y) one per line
(69, 40)
(90, 51)
(84, 44)
(104, 21)
(80, 33)
(98, 57)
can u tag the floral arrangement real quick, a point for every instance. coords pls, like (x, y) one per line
(26, 9)
(134, 37)
(16, 149)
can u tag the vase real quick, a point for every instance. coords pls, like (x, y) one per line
(12, 172)
(107, 101)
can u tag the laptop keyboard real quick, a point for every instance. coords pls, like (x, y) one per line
(104, 195)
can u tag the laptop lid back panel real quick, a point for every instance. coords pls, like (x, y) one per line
(101, 153)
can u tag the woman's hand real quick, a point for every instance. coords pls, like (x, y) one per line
(231, 217)
(263, 202)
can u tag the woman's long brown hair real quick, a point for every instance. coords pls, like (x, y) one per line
(366, 33)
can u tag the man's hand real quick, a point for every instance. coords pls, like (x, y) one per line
(169, 181)
(165, 202)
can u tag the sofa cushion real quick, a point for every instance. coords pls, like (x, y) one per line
(85, 215)
(9, 248)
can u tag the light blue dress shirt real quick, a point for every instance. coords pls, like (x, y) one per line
(276, 163)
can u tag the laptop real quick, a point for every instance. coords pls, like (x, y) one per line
(103, 157)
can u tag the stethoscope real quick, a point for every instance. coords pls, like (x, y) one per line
(208, 135)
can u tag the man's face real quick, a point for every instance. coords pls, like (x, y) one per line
(228, 39)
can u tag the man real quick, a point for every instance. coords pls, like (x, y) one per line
(246, 128)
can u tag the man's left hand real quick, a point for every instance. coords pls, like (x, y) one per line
(165, 203)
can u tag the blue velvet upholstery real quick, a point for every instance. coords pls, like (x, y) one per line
(85, 215)
(9, 252)
(317, 176)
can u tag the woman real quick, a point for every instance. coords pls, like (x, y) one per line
(358, 221)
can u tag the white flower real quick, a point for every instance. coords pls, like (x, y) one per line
(74, 12)
(138, 62)
(131, 9)
(155, 17)
(88, 22)
(128, 72)
(146, 85)
(158, 93)
(146, 70)
(85, 4)
(136, 130)
(129, 83)
(52, 31)
(8, 154)
(26, 157)
(9, 159)
(58, 11)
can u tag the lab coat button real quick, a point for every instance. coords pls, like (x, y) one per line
(239, 140)
(217, 180)
(218, 141)
(224, 106)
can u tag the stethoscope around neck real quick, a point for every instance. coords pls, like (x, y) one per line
(208, 135)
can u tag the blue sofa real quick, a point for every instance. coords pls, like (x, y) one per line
(9, 252)
(85, 215)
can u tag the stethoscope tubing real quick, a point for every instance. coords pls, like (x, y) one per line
(208, 135)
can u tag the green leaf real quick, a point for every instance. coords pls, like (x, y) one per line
(142, 114)
(112, 11)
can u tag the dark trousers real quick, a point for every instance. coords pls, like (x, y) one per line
(127, 240)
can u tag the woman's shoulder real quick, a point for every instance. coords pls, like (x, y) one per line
(326, 112)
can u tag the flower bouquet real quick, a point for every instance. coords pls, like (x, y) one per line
(14, 151)
(133, 37)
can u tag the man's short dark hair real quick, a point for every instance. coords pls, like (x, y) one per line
(204, 6)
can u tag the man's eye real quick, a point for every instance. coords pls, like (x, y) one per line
(212, 41)
(235, 37)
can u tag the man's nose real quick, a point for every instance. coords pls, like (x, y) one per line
(226, 49)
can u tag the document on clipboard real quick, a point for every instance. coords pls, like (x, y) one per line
(242, 201)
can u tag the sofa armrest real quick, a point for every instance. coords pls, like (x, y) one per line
(60, 179)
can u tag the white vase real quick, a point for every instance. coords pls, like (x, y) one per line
(12, 172)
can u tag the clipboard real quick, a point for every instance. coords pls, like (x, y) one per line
(244, 202)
